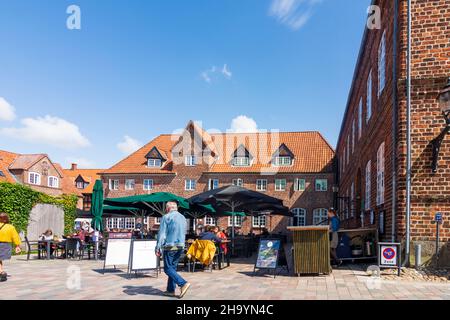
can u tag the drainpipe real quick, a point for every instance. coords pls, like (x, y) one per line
(394, 127)
(408, 141)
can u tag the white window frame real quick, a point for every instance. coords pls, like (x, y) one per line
(190, 160)
(80, 185)
(213, 184)
(210, 221)
(130, 184)
(259, 221)
(300, 214)
(154, 163)
(36, 180)
(113, 184)
(150, 184)
(129, 223)
(238, 182)
(382, 64)
(241, 162)
(297, 184)
(280, 187)
(282, 161)
(237, 221)
(380, 174)
(369, 97)
(367, 200)
(190, 184)
(157, 221)
(319, 214)
(53, 185)
(321, 189)
(263, 186)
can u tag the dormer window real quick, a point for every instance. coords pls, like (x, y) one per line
(190, 161)
(282, 161)
(154, 163)
(80, 185)
(155, 158)
(241, 161)
(283, 157)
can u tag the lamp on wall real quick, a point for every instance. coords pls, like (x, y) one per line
(444, 104)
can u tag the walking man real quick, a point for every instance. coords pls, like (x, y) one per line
(171, 240)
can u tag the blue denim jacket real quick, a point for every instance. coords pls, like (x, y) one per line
(172, 230)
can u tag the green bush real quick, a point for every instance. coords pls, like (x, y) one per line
(17, 201)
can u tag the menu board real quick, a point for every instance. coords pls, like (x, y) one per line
(268, 252)
(143, 256)
(117, 252)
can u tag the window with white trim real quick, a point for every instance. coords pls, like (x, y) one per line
(190, 161)
(380, 175)
(382, 64)
(282, 161)
(154, 163)
(259, 221)
(238, 182)
(190, 184)
(53, 182)
(113, 184)
(368, 183)
(369, 97)
(261, 184)
(241, 161)
(299, 184)
(237, 221)
(157, 220)
(129, 184)
(210, 221)
(321, 184)
(34, 178)
(360, 114)
(148, 184)
(213, 184)
(280, 184)
(299, 218)
(121, 223)
(320, 215)
(130, 223)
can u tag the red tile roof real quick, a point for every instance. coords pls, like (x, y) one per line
(6, 158)
(88, 175)
(311, 151)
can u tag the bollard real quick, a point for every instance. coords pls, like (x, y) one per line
(418, 255)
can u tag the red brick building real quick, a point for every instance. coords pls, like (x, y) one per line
(372, 150)
(296, 167)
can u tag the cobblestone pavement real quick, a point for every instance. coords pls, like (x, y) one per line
(56, 279)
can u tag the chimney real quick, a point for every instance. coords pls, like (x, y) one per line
(74, 167)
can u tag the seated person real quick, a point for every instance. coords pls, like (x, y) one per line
(210, 235)
(48, 236)
(221, 234)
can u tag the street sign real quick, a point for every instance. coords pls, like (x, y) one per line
(438, 217)
(389, 255)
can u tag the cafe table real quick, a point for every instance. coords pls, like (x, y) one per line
(47, 244)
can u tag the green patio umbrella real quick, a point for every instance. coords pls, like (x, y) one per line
(152, 203)
(97, 206)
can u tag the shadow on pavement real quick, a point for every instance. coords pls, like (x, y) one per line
(142, 290)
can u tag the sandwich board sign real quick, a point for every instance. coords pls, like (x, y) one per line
(389, 255)
(268, 253)
(143, 256)
(117, 252)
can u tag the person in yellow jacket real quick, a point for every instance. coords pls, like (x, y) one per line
(8, 235)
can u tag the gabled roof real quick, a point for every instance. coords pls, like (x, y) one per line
(283, 151)
(6, 158)
(156, 154)
(195, 133)
(242, 151)
(26, 161)
(88, 175)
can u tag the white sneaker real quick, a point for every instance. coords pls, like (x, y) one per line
(184, 289)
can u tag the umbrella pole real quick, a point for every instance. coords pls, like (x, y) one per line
(232, 227)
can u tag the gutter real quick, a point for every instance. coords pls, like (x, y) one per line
(408, 141)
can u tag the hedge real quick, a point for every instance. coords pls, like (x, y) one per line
(18, 200)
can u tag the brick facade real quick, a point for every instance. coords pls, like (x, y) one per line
(430, 69)
(173, 179)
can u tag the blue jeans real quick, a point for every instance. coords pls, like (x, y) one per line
(171, 258)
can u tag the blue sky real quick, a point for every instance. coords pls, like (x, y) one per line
(136, 69)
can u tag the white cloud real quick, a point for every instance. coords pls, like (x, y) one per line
(293, 13)
(82, 163)
(243, 124)
(129, 145)
(7, 111)
(227, 73)
(48, 130)
(213, 73)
